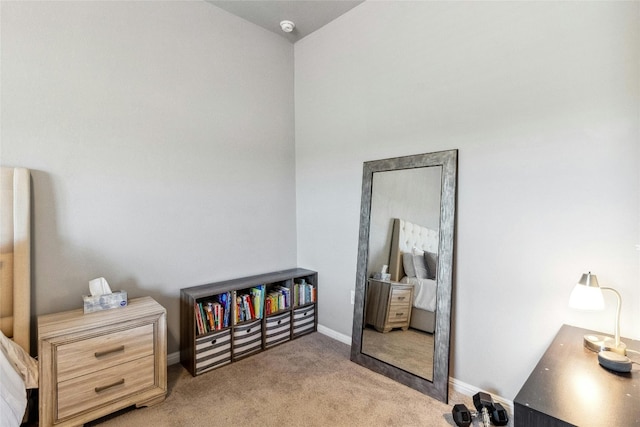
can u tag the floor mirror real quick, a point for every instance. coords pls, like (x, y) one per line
(402, 314)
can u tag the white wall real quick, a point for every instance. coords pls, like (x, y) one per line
(160, 138)
(542, 100)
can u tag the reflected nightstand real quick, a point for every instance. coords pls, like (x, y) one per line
(388, 305)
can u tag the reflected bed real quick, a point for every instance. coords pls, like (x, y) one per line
(413, 260)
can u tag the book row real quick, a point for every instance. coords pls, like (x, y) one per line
(303, 293)
(215, 313)
(279, 298)
(249, 305)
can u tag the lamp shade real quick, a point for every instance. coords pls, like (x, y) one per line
(587, 294)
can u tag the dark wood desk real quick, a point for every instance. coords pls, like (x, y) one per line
(569, 387)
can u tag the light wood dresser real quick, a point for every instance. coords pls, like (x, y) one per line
(97, 363)
(388, 305)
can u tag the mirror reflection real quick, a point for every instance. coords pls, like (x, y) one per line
(401, 288)
(402, 311)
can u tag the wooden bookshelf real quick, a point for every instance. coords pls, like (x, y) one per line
(229, 320)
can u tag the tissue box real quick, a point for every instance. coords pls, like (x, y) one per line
(382, 276)
(115, 299)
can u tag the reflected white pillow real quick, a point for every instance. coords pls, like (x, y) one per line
(407, 264)
(420, 265)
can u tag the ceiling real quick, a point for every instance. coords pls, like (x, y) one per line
(308, 15)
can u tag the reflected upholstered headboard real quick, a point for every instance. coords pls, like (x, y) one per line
(15, 255)
(405, 237)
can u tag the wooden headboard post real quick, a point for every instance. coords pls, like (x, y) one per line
(15, 255)
(395, 260)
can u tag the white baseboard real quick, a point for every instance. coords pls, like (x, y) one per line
(173, 358)
(346, 339)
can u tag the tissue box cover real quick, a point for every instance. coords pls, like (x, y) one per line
(115, 299)
(382, 276)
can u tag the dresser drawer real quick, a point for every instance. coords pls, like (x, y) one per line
(213, 351)
(278, 329)
(82, 357)
(247, 339)
(93, 390)
(400, 296)
(398, 313)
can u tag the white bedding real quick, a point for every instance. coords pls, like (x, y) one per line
(424, 292)
(13, 394)
(18, 371)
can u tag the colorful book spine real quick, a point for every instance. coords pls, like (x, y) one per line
(257, 296)
(248, 308)
(203, 316)
(202, 321)
(211, 317)
(225, 301)
(198, 319)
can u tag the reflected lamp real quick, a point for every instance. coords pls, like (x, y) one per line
(587, 295)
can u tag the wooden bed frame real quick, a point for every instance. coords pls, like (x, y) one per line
(15, 255)
(405, 236)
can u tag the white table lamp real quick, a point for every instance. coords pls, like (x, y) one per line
(587, 295)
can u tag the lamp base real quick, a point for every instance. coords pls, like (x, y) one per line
(599, 343)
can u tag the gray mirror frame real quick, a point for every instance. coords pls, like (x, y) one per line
(439, 387)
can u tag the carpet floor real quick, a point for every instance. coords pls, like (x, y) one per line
(309, 381)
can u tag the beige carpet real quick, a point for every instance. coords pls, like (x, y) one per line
(309, 381)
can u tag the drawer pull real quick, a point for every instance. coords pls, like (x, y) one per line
(106, 387)
(401, 298)
(213, 342)
(399, 314)
(279, 321)
(248, 330)
(98, 354)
